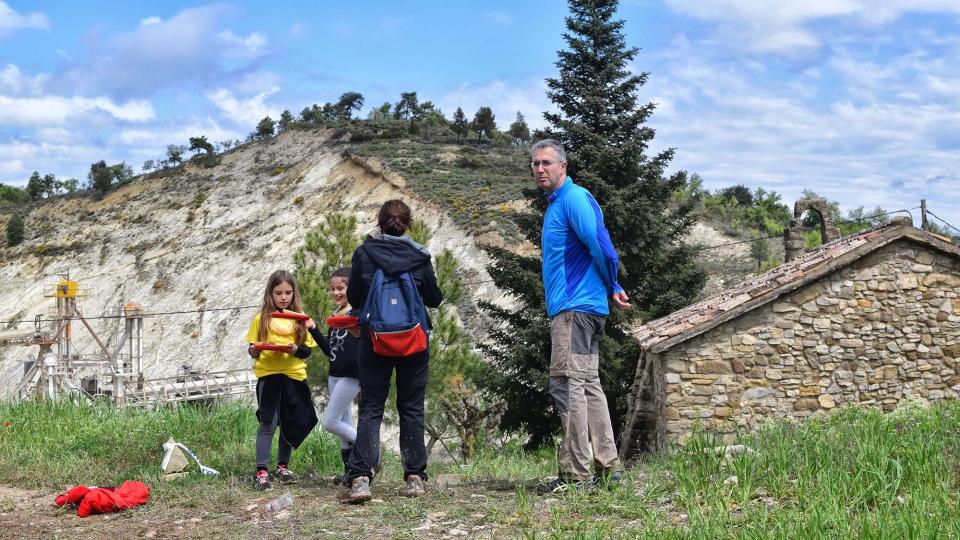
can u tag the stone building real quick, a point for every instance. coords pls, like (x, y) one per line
(868, 319)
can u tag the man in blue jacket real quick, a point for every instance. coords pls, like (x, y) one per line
(580, 279)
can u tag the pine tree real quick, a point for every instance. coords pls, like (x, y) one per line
(35, 186)
(603, 130)
(49, 185)
(347, 104)
(174, 154)
(519, 131)
(265, 128)
(285, 120)
(459, 123)
(484, 122)
(325, 248)
(15, 228)
(406, 107)
(201, 143)
(100, 176)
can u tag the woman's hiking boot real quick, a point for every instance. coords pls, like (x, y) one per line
(261, 482)
(341, 480)
(358, 493)
(414, 486)
(285, 476)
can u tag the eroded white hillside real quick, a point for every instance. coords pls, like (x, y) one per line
(200, 239)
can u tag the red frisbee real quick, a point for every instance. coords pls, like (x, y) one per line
(343, 321)
(271, 347)
(290, 315)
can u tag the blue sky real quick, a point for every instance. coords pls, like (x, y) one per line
(858, 100)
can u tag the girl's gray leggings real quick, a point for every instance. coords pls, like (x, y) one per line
(265, 441)
(337, 418)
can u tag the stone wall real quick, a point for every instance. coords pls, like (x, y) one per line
(877, 331)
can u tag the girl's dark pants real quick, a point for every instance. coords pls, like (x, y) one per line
(375, 371)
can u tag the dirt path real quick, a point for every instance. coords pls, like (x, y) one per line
(231, 511)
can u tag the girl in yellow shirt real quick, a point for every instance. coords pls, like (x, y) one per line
(283, 398)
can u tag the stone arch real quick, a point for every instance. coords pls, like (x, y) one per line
(793, 236)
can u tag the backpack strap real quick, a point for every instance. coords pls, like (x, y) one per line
(375, 287)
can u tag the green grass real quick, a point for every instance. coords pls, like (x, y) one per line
(857, 473)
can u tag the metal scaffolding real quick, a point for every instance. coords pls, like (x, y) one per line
(115, 374)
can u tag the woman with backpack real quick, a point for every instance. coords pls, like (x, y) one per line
(393, 279)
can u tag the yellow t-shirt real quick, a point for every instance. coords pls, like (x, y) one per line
(281, 332)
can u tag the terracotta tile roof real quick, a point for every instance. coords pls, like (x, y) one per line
(663, 333)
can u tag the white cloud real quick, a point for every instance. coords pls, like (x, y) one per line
(246, 112)
(256, 82)
(10, 168)
(251, 46)
(13, 82)
(57, 110)
(18, 158)
(144, 141)
(190, 47)
(866, 146)
(949, 87)
(504, 99)
(10, 20)
(68, 152)
(781, 27)
(58, 135)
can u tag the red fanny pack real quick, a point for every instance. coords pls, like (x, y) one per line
(399, 342)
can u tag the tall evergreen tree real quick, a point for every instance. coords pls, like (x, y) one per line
(347, 104)
(49, 185)
(519, 131)
(603, 130)
(265, 128)
(407, 106)
(306, 115)
(285, 120)
(100, 176)
(484, 122)
(35, 186)
(459, 123)
(175, 154)
(201, 143)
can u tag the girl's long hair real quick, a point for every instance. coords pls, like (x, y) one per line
(276, 278)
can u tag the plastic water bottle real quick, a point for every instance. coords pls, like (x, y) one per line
(281, 502)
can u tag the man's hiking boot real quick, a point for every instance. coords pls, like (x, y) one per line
(358, 493)
(341, 480)
(414, 486)
(608, 479)
(284, 476)
(261, 482)
(563, 485)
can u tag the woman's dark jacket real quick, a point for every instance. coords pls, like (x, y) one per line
(394, 254)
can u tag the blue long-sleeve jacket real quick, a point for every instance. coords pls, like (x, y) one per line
(579, 262)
